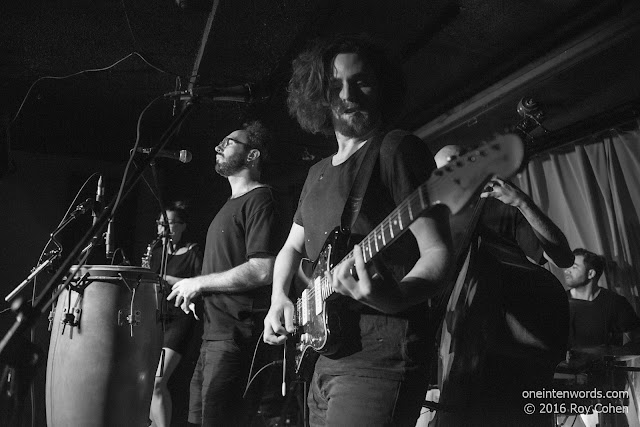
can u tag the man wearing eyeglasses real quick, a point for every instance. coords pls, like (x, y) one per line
(242, 242)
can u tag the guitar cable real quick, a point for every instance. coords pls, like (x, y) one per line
(253, 360)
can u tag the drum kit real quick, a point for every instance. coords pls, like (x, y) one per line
(586, 375)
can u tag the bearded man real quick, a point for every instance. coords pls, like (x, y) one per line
(349, 89)
(235, 284)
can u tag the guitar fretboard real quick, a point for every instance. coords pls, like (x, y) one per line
(381, 236)
(452, 185)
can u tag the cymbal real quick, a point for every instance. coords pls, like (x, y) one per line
(618, 353)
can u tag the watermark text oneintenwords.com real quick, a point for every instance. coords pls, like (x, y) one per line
(575, 401)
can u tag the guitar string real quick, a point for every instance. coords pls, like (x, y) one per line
(396, 213)
(405, 205)
(438, 183)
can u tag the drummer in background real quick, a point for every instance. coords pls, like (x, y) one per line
(184, 260)
(598, 316)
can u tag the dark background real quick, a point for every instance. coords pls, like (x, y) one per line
(467, 62)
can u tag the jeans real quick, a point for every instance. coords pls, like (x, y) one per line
(218, 383)
(349, 400)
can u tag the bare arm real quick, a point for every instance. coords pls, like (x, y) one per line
(279, 320)
(252, 274)
(172, 280)
(422, 282)
(551, 238)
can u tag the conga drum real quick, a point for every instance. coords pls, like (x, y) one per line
(106, 340)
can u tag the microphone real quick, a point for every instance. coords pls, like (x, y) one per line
(108, 242)
(248, 92)
(529, 109)
(183, 156)
(99, 203)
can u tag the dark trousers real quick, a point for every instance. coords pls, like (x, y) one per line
(350, 400)
(218, 384)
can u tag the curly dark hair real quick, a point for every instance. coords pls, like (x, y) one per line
(308, 88)
(258, 137)
(591, 262)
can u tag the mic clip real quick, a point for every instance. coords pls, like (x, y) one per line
(82, 208)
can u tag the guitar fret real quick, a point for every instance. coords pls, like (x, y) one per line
(376, 241)
(444, 187)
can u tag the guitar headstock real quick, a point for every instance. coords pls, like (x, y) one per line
(455, 183)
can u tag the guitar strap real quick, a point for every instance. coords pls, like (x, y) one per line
(361, 182)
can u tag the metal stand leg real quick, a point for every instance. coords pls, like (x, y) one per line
(297, 393)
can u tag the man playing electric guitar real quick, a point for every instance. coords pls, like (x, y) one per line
(348, 87)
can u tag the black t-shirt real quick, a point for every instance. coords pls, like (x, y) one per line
(505, 224)
(245, 227)
(404, 163)
(600, 321)
(383, 341)
(188, 264)
(501, 224)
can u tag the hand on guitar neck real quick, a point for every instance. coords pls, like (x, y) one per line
(313, 319)
(344, 282)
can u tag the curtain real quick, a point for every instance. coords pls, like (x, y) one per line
(591, 190)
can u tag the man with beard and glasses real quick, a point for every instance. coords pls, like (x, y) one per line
(349, 89)
(241, 245)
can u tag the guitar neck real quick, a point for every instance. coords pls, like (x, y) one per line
(452, 185)
(388, 230)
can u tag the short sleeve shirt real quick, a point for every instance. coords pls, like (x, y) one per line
(245, 227)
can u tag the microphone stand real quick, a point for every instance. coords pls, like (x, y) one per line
(53, 254)
(26, 315)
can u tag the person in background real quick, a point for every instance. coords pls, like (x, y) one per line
(184, 259)
(242, 242)
(599, 318)
(506, 325)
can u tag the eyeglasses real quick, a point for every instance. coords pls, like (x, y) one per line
(226, 141)
(164, 224)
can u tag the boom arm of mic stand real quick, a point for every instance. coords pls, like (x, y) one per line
(53, 255)
(27, 316)
(34, 273)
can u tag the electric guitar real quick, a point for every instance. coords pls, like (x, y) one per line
(316, 320)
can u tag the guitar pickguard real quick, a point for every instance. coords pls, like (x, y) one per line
(318, 323)
(318, 326)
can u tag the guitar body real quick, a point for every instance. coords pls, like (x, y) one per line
(318, 327)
